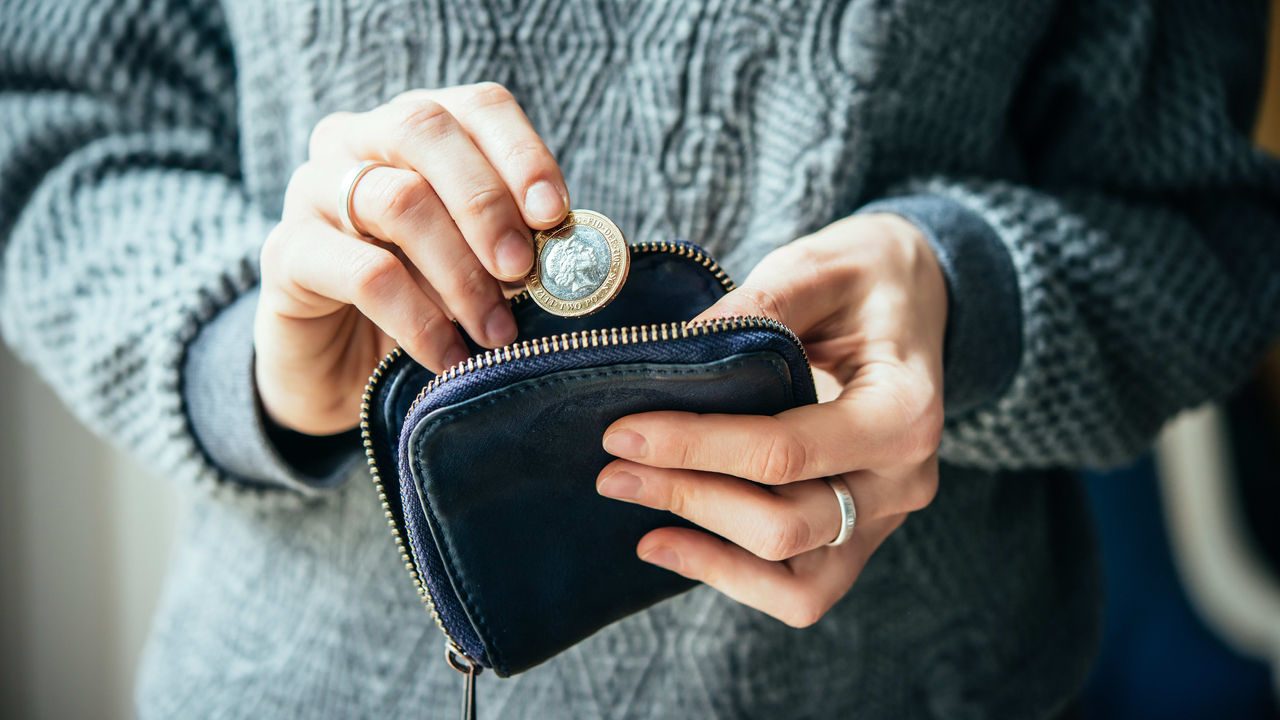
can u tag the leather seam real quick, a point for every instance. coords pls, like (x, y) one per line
(447, 554)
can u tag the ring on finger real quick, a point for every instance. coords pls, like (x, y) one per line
(848, 513)
(349, 182)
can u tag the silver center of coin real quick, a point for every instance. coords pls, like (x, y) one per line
(572, 267)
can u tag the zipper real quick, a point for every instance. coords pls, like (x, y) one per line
(366, 434)
(685, 250)
(634, 334)
(580, 339)
(454, 656)
(459, 661)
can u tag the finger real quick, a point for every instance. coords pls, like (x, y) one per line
(499, 127)
(798, 591)
(398, 206)
(858, 430)
(772, 523)
(425, 137)
(316, 265)
(329, 136)
(781, 287)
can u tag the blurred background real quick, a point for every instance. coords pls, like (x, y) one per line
(1190, 538)
(84, 540)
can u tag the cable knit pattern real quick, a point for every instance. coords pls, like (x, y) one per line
(145, 149)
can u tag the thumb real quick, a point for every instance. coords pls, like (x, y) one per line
(787, 286)
(753, 300)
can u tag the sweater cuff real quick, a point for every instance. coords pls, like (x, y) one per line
(983, 343)
(230, 423)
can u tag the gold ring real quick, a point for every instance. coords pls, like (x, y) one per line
(349, 182)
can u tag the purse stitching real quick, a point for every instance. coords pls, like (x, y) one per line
(481, 626)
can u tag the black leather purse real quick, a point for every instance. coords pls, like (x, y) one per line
(487, 471)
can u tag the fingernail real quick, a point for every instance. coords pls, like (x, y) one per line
(499, 326)
(663, 557)
(625, 443)
(544, 202)
(455, 355)
(620, 485)
(515, 255)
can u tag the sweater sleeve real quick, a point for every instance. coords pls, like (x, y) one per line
(1144, 240)
(125, 228)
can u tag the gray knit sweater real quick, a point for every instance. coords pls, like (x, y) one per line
(1110, 239)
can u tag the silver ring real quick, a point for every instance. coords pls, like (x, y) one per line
(848, 513)
(349, 182)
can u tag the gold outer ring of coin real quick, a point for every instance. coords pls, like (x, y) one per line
(619, 266)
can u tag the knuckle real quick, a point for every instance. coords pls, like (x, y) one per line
(525, 152)
(926, 432)
(483, 201)
(710, 573)
(783, 537)
(424, 333)
(804, 611)
(780, 460)
(921, 492)
(393, 196)
(763, 301)
(409, 97)
(424, 120)
(922, 487)
(673, 499)
(373, 274)
(325, 132)
(682, 451)
(473, 282)
(489, 93)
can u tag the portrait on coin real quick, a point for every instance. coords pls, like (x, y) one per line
(575, 265)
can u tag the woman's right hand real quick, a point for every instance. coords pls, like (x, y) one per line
(449, 219)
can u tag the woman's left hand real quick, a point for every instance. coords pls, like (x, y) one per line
(868, 300)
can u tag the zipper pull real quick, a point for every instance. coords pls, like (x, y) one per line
(463, 664)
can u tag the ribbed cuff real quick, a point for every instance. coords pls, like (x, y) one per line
(229, 422)
(983, 343)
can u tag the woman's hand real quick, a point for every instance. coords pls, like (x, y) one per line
(867, 298)
(448, 221)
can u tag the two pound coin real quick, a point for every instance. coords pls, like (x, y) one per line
(580, 265)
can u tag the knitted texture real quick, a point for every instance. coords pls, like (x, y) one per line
(145, 146)
(124, 218)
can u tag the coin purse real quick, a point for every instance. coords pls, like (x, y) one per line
(487, 472)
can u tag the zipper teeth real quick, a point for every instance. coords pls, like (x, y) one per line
(664, 246)
(567, 341)
(366, 434)
(632, 335)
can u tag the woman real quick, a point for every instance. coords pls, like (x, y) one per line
(1029, 235)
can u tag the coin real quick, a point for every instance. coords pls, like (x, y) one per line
(580, 266)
